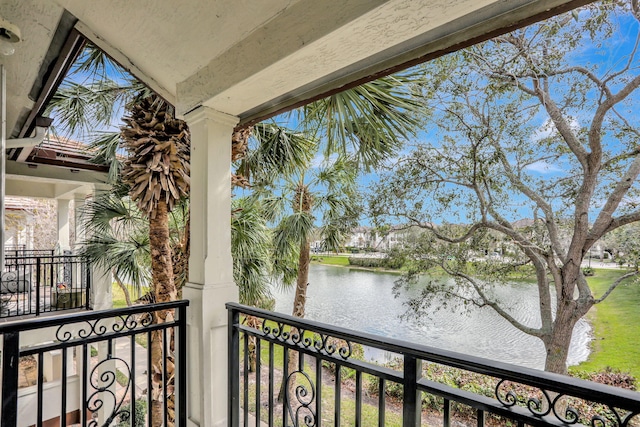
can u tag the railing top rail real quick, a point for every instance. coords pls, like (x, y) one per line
(588, 390)
(48, 256)
(63, 319)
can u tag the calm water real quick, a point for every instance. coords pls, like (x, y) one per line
(363, 301)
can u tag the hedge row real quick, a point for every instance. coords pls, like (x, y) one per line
(390, 263)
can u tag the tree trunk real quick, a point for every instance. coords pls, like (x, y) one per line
(557, 343)
(180, 254)
(164, 290)
(252, 322)
(299, 302)
(300, 299)
(122, 286)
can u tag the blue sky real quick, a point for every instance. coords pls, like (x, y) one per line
(610, 56)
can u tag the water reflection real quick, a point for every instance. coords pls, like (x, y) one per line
(363, 301)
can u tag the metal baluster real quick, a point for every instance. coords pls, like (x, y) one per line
(10, 362)
(39, 394)
(481, 418)
(53, 274)
(245, 376)
(88, 286)
(38, 278)
(132, 378)
(258, 378)
(182, 366)
(63, 374)
(270, 384)
(381, 402)
(358, 398)
(285, 376)
(234, 368)
(446, 412)
(149, 385)
(411, 410)
(318, 392)
(85, 381)
(338, 390)
(165, 354)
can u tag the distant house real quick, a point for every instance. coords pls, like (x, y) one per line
(376, 239)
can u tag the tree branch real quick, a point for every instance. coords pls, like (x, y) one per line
(615, 284)
(496, 307)
(556, 116)
(605, 216)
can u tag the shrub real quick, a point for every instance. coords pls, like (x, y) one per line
(141, 413)
(486, 386)
(387, 262)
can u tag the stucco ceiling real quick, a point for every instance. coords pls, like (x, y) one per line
(250, 58)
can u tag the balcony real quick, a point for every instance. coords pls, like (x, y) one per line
(35, 282)
(94, 368)
(315, 358)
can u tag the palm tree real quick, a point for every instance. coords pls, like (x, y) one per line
(118, 239)
(157, 174)
(363, 127)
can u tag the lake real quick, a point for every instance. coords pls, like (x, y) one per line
(363, 301)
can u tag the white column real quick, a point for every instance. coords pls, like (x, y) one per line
(78, 205)
(64, 229)
(101, 282)
(210, 283)
(100, 292)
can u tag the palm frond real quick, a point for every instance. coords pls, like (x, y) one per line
(370, 121)
(277, 152)
(106, 146)
(250, 246)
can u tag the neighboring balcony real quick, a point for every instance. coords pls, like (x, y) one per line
(35, 282)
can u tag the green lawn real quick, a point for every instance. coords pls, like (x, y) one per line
(616, 325)
(331, 259)
(117, 297)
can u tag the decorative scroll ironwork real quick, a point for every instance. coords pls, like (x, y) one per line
(301, 409)
(103, 381)
(322, 343)
(91, 328)
(558, 404)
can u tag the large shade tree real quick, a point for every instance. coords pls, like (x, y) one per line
(540, 124)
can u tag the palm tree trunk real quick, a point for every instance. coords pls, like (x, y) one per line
(122, 286)
(299, 303)
(164, 290)
(300, 299)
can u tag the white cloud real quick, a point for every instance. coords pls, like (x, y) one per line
(321, 161)
(543, 167)
(548, 128)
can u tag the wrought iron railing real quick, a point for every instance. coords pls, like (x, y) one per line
(313, 359)
(8, 248)
(22, 251)
(32, 285)
(102, 368)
